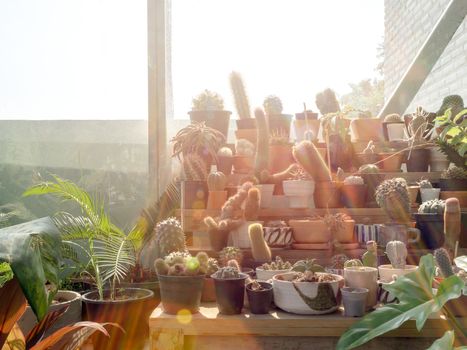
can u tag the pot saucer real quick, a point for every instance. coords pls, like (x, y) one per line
(311, 246)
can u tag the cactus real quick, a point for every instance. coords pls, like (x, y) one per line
(272, 105)
(444, 262)
(292, 171)
(454, 102)
(434, 206)
(369, 258)
(353, 263)
(182, 264)
(252, 204)
(176, 270)
(326, 102)
(227, 272)
(370, 148)
(233, 263)
(224, 152)
(455, 173)
(307, 265)
(244, 148)
(452, 222)
(338, 261)
(240, 97)
(368, 169)
(262, 143)
(353, 180)
(397, 254)
(392, 196)
(393, 118)
(208, 101)
(161, 267)
(425, 184)
(418, 125)
(194, 167)
(259, 248)
(216, 181)
(277, 264)
(212, 266)
(306, 154)
(169, 238)
(230, 253)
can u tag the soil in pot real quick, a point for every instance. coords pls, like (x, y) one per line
(419, 160)
(175, 295)
(218, 120)
(390, 162)
(194, 194)
(327, 195)
(354, 196)
(280, 157)
(131, 307)
(431, 227)
(230, 294)
(354, 300)
(260, 299)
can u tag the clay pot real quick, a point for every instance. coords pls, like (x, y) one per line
(419, 160)
(280, 124)
(354, 196)
(327, 195)
(247, 123)
(300, 193)
(366, 129)
(367, 158)
(209, 290)
(372, 181)
(224, 165)
(243, 164)
(310, 231)
(247, 134)
(345, 232)
(460, 195)
(216, 199)
(280, 157)
(390, 162)
(438, 160)
(218, 120)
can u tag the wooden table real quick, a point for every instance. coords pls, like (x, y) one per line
(277, 330)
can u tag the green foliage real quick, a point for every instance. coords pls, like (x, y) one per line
(6, 273)
(367, 95)
(416, 301)
(446, 342)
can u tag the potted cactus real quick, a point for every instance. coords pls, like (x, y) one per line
(217, 182)
(267, 271)
(242, 105)
(243, 160)
(208, 107)
(224, 160)
(230, 289)
(372, 178)
(396, 252)
(341, 227)
(368, 155)
(277, 121)
(418, 158)
(354, 192)
(240, 236)
(209, 290)
(259, 248)
(260, 296)
(427, 192)
(430, 222)
(230, 253)
(299, 189)
(356, 275)
(394, 128)
(453, 179)
(181, 279)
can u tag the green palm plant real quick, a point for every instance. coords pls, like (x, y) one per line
(109, 252)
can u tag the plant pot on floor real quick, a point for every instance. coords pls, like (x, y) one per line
(175, 295)
(299, 192)
(354, 196)
(280, 157)
(240, 237)
(390, 162)
(194, 194)
(218, 120)
(230, 294)
(209, 290)
(279, 124)
(419, 160)
(260, 300)
(354, 300)
(366, 129)
(327, 195)
(363, 277)
(126, 312)
(63, 298)
(431, 227)
(266, 192)
(427, 194)
(243, 164)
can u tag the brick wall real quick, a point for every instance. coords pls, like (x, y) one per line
(407, 25)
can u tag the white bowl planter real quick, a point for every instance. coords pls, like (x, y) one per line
(266, 191)
(428, 194)
(265, 275)
(240, 236)
(323, 298)
(386, 272)
(300, 193)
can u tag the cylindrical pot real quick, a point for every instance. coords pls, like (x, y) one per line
(366, 129)
(63, 298)
(260, 300)
(129, 308)
(431, 227)
(438, 160)
(372, 181)
(218, 239)
(246, 134)
(175, 295)
(194, 194)
(300, 128)
(354, 300)
(230, 294)
(354, 196)
(280, 157)
(390, 162)
(363, 277)
(453, 184)
(209, 290)
(419, 160)
(246, 123)
(278, 237)
(216, 199)
(218, 120)
(428, 194)
(345, 232)
(413, 194)
(310, 231)
(152, 284)
(243, 164)
(266, 192)
(367, 158)
(279, 124)
(300, 193)
(240, 236)
(266, 275)
(386, 272)
(224, 164)
(327, 195)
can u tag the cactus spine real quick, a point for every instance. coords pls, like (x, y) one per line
(444, 262)
(169, 238)
(397, 254)
(392, 196)
(259, 248)
(227, 272)
(240, 97)
(306, 154)
(262, 143)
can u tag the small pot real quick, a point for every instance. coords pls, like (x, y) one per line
(266, 275)
(243, 164)
(247, 134)
(367, 158)
(194, 194)
(240, 236)
(218, 120)
(218, 239)
(209, 290)
(386, 272)
(280, 124)
(419, 160)
(428, 194)
(363, 277)
(354, 196)
(278, 237)
(346, 232)
(230, 294)
(413, 194)
(327, 195)
(266, 192)
(300, 192)
(366, 129)
(260, 300)
(310, 231)
(431, 227)
(174, 293)
(224, 164)
(280, 157)
(354, 300)
(453, 184)
(394, 131)
(246, 123)
(390, 162)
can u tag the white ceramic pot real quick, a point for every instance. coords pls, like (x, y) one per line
(266, 191)
(396, 132)
(288, 298)
(363, 277)
(265, 275)
(300, 193)
(428, 194)
(387, 271)
(240, 237)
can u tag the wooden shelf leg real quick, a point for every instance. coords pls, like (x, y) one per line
(167, 339)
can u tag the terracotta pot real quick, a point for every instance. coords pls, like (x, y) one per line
(224, 165)
(280, 124)
(194, 194)
(366, 129)
(346, 232)
(419, 160)
(218, 120)
(460, 195)
(367, 158)
(300, 128)
(327, 195)
(372, 181)
(280, 157)
(247, 134)
(354, 196)
(413, 194)
(389, 162)
(209, 290)
(243, 164)
(216, 199)
(363, 277)
(310, 231)
(247, 123)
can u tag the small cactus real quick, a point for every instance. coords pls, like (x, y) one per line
(176, 270)
(369, 258)
(208, 101)
(353, 263)
(393, 197)
(229, 253)
(169, 238)
(444, 262)
(393, 118)
(161, 267)
(227, 272)
(252, 204)
(272, 105)
(216, 181)
(353, 180)
(434, 206)
(277, 264)
(233, 263)
(212, 266)
(259, 248)
(455, 173)
(418, 125)
(425, 184)
(224, 152)
(397, 254)
(182, 264)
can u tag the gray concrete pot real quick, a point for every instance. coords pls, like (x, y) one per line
(354, 300)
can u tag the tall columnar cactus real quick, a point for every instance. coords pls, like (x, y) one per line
(169, 238)
(194, 167)
(326, 102)
(392, 196)
(434, 206)
(397, 254)
(252, 204)
(262, 143)
(259, 248)
(216, 181)
(444, 262)
(306, 154)
(272, 105)
(240, 97)
(452, 222)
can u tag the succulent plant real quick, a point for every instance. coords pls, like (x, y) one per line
(454, 102)
(424, 183)
(244, 148)
(252, 204)
(307, 265)
(393, 118)
(259, 248)
(368, 169)
(434, 206)
(224, 152)
(272, 105)
(444, 262)
(370, 148)
(338, 261)
(370, 258)
(392, 196)
(216, 181)
(308, 157)
(182, 264)
(169, 238)
(227, 272)
(240, 97)
(397, 254)
(208, 101)
(194, 167)
(418, 125)
(277, 264)
(212, 266)
(326, 102)
(353, 263)
(230, 253)
(353, 180)
(454, 173)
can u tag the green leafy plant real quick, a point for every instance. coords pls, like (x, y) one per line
(416, 301)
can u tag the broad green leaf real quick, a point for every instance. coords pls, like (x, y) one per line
(446, 342)
(461, 262)
(32, 250)
(460, 115)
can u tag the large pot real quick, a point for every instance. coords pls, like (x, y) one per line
(431, 227)
(327, 195)
(131, 307)
(453, 184)
(243, 164)
(306, 298)
(390, 162)
(419, 160)
(278, 237)
(153, 285)
(300, 193)
(218, 120)
(460, 195)
(310, 231)
(174, 295)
